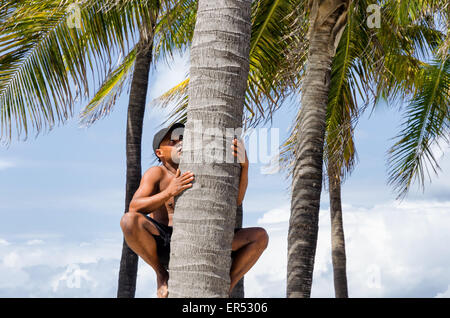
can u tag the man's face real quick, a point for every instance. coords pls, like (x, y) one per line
(171, 146)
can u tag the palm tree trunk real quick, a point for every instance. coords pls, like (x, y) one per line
(238, 290)
(136, 110)
(204, 217)
(327, 19)
(337, 234)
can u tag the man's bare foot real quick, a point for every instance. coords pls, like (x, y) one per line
(163, 291)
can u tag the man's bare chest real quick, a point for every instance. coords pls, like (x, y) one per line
(163, 184)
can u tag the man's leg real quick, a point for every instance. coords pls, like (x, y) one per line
(138, 232)
(248, 245)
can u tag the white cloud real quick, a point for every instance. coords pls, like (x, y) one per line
(146, 281)
(73, 277)
(11, 278)
(62, 269)
(268, 277)
(276, 215)
(11, 260)
(5, 164)
(35, 242)
(445, 294)
(393, 250)
(4, 242)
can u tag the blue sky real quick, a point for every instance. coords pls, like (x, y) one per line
(62, 196)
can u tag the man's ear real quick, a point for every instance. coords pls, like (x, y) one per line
(159, 153)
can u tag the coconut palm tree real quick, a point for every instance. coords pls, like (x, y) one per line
(135, 118)
(327, 20)
(292, 71)
(365, 58)
(205, 215)
(43, 58)
(136, 109)
(424, 111)
(428, 40)
(385, 62)
(266, 89)
(274, 7)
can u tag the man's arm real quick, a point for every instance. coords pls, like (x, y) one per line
(240, 153)
(243, 182)
(144, 202)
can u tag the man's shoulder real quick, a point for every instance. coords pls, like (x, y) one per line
(154, 173)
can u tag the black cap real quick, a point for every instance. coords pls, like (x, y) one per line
(159, 136)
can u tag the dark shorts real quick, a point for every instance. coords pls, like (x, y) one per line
(162, 241)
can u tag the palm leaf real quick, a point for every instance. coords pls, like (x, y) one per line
(408, 34)
(342, 108)
(103, 101)
(46, 65)
(267, 87)
(173, 31)
(175, 27)
(427, 122)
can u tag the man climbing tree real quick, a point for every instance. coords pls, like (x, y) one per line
(148, 225)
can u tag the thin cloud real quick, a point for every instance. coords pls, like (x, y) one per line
(4, 242)
(35, 242)
(6, 164)
(393, 250)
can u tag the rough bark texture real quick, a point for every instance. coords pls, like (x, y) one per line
(238, 290)
(326, 21)
(337, 235)
(136, 110)
(204, 217)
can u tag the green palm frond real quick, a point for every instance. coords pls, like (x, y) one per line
(271, 38)
(179, 114)
(7, 8)
(106, 96)
(403, 77)
(407, 35)
(375, 63)
(175, 27)
(45, 63)
(173, 31)
(427, 122)
(444, 24)
(267, 87)
(444, 50)
(347, 84)
(177, 98)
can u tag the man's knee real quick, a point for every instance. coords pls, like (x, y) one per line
(129, 222)
(262, 238)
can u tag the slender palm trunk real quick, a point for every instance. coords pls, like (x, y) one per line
(136, 110)
(204, 217)
(337, 234)
(326, 21)
(238, 290)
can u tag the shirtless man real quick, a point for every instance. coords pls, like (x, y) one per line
(147, 227)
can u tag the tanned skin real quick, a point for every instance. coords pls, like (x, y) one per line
(155, 196)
